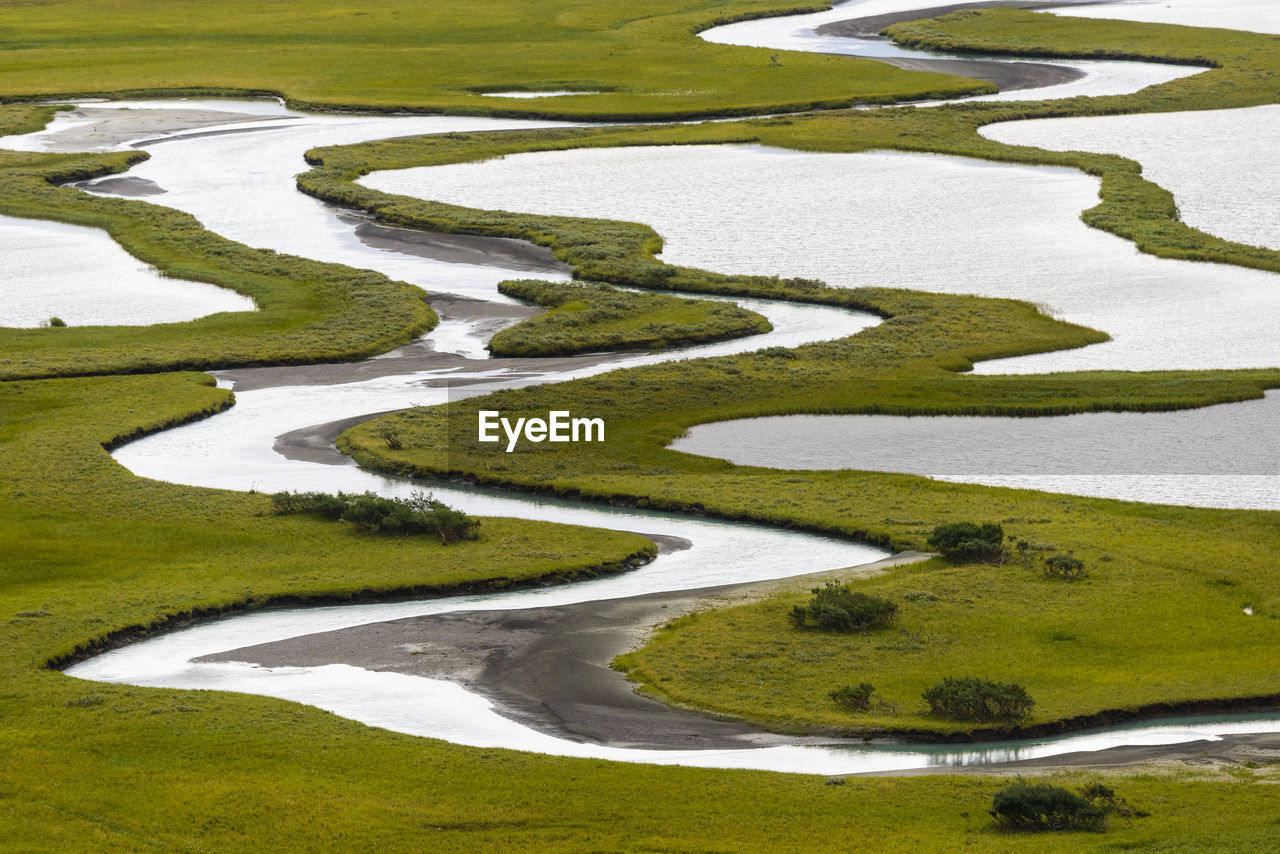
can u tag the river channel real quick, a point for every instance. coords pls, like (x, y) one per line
(239, 183)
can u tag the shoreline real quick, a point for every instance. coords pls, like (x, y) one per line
(1007, 76)
(550, 668)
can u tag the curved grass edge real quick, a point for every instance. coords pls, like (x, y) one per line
(308, 311)
(589, 317)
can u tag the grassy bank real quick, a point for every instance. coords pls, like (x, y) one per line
(1179, 567)
(588, 317)
(91, 766)
(307, 312)
(643, 59)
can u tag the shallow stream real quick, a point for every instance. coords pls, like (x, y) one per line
(240, 185)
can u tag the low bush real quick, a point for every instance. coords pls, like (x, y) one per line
(1065, 567)
(373, 514)
(968, 698)
(836, 608)
(855, 698)
(967, 542)
(1039, 807)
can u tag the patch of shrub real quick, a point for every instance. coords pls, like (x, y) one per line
(1065, 567)
(1038, 807)
(836, 608)
(968, 542)
(374, 514)
(862, 698)
(968, 698)
(57, 321)
(855, 698)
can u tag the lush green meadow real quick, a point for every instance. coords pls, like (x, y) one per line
(93, 553)
(642, 57)
(588, 317)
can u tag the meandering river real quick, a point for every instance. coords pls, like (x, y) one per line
(240, 185)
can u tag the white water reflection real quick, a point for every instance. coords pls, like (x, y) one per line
(82, 276)
(918, 221)
(240, 183)
(798, 32)
(1217, 163)
(1219, 456)
(1259, 16)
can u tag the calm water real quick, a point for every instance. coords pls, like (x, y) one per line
(81, 275)
(1259, 16)
(1220, 165)
(919, 221)
(1220, 456)
(797, 32)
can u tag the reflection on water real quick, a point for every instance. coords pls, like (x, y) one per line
(1259, 16)
(1219, 456)
(918, 221)
(1219, 164)
(82, 276)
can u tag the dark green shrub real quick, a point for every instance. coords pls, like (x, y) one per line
(1064, 566)
(374, 514)
(57, 321)
(836, 608)
(967, 542)
(855, 698)
(1041, 807)
(968, 698)
(316, 503)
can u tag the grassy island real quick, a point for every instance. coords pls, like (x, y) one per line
(588, 317)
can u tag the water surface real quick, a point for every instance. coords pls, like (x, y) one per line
(918, 221)
(1220, 165)
(1218, 456)
(79, 274)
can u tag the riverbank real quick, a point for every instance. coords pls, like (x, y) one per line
(1008, 76)
(549, 668)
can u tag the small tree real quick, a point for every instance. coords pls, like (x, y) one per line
(968, 542)
(837, 608)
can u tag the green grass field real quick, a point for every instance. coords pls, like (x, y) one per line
(643, 58)
(94, 553)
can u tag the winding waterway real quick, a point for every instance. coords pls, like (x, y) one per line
(206, 174)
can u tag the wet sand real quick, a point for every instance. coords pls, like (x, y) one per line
(1008, 76)
(105, 128)
(505, 252)
(549, 667)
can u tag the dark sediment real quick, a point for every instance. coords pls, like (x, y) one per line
(1008, 76)
(545, 667)
(504, 252)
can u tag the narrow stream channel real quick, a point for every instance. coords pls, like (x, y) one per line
(240, 185)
